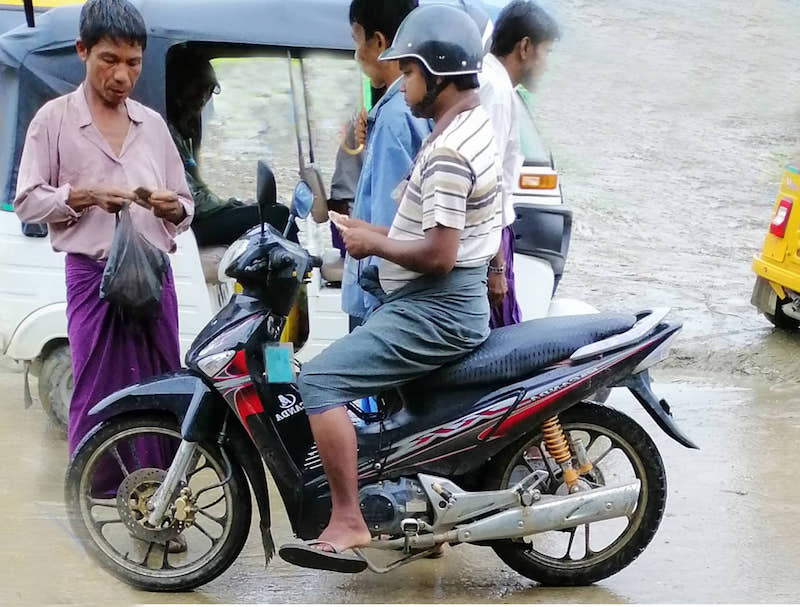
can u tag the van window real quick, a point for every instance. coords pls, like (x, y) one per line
(251, 119)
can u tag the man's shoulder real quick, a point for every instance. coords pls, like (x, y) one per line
(464, 127)
(54, 107)
(146, 113)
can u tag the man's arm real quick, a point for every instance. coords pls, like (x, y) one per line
(435, 254)
(39, 201)
(391, 160)
(446, 186)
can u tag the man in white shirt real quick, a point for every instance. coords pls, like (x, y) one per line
(523, 38)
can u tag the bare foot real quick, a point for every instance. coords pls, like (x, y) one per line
(345, 534)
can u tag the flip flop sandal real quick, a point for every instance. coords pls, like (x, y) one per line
(304, 554)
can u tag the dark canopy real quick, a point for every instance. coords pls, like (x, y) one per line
(39, 64)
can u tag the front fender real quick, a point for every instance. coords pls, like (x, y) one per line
(198, 408)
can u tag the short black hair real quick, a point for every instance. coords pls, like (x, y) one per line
(384, 16)
(522, 19)
(118, 20)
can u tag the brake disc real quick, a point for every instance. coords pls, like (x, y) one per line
(132, 496)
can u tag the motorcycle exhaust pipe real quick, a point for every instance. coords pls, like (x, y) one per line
(555, 514)
(549, 514)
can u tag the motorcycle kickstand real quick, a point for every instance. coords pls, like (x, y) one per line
(410, 529)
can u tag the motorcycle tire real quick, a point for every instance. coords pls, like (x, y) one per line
(174, 581)
(649, 468)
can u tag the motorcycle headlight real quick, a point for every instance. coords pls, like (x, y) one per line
(234, 252)
(211, 365)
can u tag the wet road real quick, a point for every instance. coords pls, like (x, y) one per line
(729, 533)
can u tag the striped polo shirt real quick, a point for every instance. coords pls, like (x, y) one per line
(456, 182)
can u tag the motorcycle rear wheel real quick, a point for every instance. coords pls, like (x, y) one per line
(542, 557)
(147, 564)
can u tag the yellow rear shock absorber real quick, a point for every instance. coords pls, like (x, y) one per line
(556, 442)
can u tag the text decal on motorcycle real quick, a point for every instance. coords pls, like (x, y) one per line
(289, 405)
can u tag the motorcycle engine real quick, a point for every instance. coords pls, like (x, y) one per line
(385, 505)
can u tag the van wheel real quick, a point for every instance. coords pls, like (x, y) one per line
(56, 385)
(780, 319)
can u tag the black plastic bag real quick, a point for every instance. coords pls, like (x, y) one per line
(132, 279)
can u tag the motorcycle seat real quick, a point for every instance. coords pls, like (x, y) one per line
(519, 351)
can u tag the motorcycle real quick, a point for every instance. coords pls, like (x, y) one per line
(501, 449)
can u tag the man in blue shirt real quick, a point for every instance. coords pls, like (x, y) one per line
(394, 136)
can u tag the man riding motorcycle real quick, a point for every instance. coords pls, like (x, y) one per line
(432, 283)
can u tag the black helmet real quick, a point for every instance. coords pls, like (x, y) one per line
(444, 38)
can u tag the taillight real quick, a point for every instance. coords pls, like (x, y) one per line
(538, 182)
(781, 219)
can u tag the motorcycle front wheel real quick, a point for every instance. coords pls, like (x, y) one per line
(620, 451)
(111, 477)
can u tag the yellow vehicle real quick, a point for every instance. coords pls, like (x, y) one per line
(777, 289)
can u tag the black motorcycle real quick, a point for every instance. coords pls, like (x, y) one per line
(501, 449)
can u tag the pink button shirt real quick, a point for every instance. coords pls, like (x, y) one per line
(64, 150)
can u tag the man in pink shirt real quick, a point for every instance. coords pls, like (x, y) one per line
(85, 154)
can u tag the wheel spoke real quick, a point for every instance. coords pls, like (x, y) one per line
(100, 525)
(138, 542)
(206, 533)
(135, 453)
(572, 532)
(218, 520)
(105, 503)
(588, 549)
(606, 452)
(118, 458)
(164, 562)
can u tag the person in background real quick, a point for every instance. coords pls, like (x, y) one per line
(522, 41)
(191, 82)
(393, 136)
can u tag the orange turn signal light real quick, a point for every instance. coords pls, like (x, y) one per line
(538, 182)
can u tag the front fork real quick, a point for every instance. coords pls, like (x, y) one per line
(158, 504)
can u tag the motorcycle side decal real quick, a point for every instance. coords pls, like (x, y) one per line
(290, 405)
(414, 445)
(536, 402)
(246, 402)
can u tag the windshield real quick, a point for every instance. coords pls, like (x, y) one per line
(532, 148)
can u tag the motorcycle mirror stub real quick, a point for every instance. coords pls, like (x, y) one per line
(303, 200)
(266, 189)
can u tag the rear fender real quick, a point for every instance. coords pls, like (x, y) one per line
(198, 409)
(639, 385)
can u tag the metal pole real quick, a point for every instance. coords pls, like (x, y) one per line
(29, 13)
